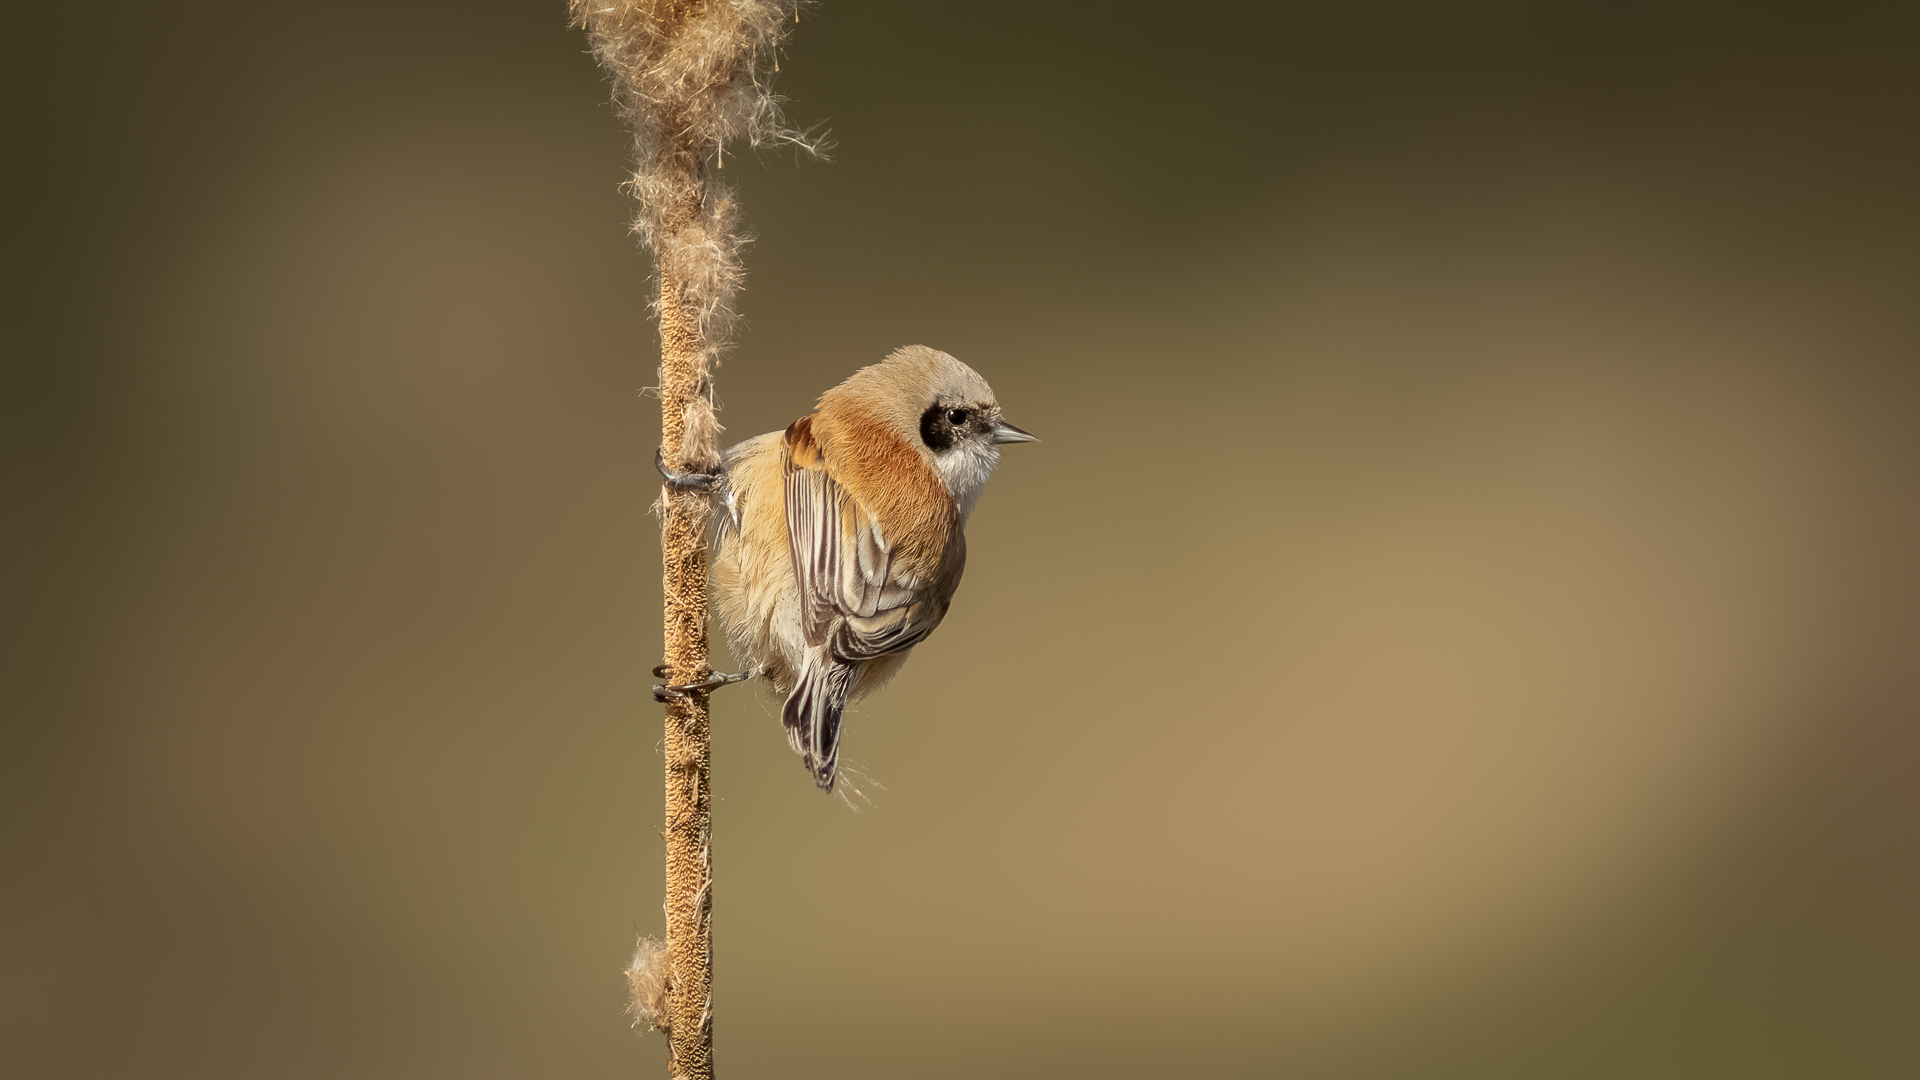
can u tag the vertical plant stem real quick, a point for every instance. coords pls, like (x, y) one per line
(689, 1019)
(689, 75)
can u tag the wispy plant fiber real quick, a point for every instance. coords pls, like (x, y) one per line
(691, 77)
(647, 984)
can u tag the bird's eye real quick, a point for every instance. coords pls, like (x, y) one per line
(956, 417)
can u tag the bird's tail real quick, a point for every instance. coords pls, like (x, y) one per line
(812, 713)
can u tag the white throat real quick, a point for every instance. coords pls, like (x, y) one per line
(965, 469)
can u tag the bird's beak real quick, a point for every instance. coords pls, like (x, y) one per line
(1004, 432)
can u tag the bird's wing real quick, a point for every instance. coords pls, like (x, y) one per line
(855, 598)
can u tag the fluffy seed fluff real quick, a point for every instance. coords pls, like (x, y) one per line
(647, 985)
(690, 76)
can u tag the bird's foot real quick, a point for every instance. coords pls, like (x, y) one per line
(712, 682)
(703, 482)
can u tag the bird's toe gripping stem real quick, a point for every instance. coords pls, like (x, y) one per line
(703, 482)
(714, 681)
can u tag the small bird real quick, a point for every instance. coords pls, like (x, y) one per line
(844, 537)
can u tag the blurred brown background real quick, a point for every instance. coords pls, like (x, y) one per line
(1461, 621)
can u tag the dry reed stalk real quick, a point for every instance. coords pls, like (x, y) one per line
(689, 75)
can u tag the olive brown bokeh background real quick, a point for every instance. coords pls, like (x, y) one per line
(1461, 620)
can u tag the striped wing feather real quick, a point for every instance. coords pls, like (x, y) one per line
(858, 601)
(854, 599)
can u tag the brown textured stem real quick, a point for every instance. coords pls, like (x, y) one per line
(689, 75)
(689, 903)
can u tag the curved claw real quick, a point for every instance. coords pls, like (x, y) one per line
(712, 682)
(705, 483)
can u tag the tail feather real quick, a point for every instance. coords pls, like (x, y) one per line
(812, 714)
